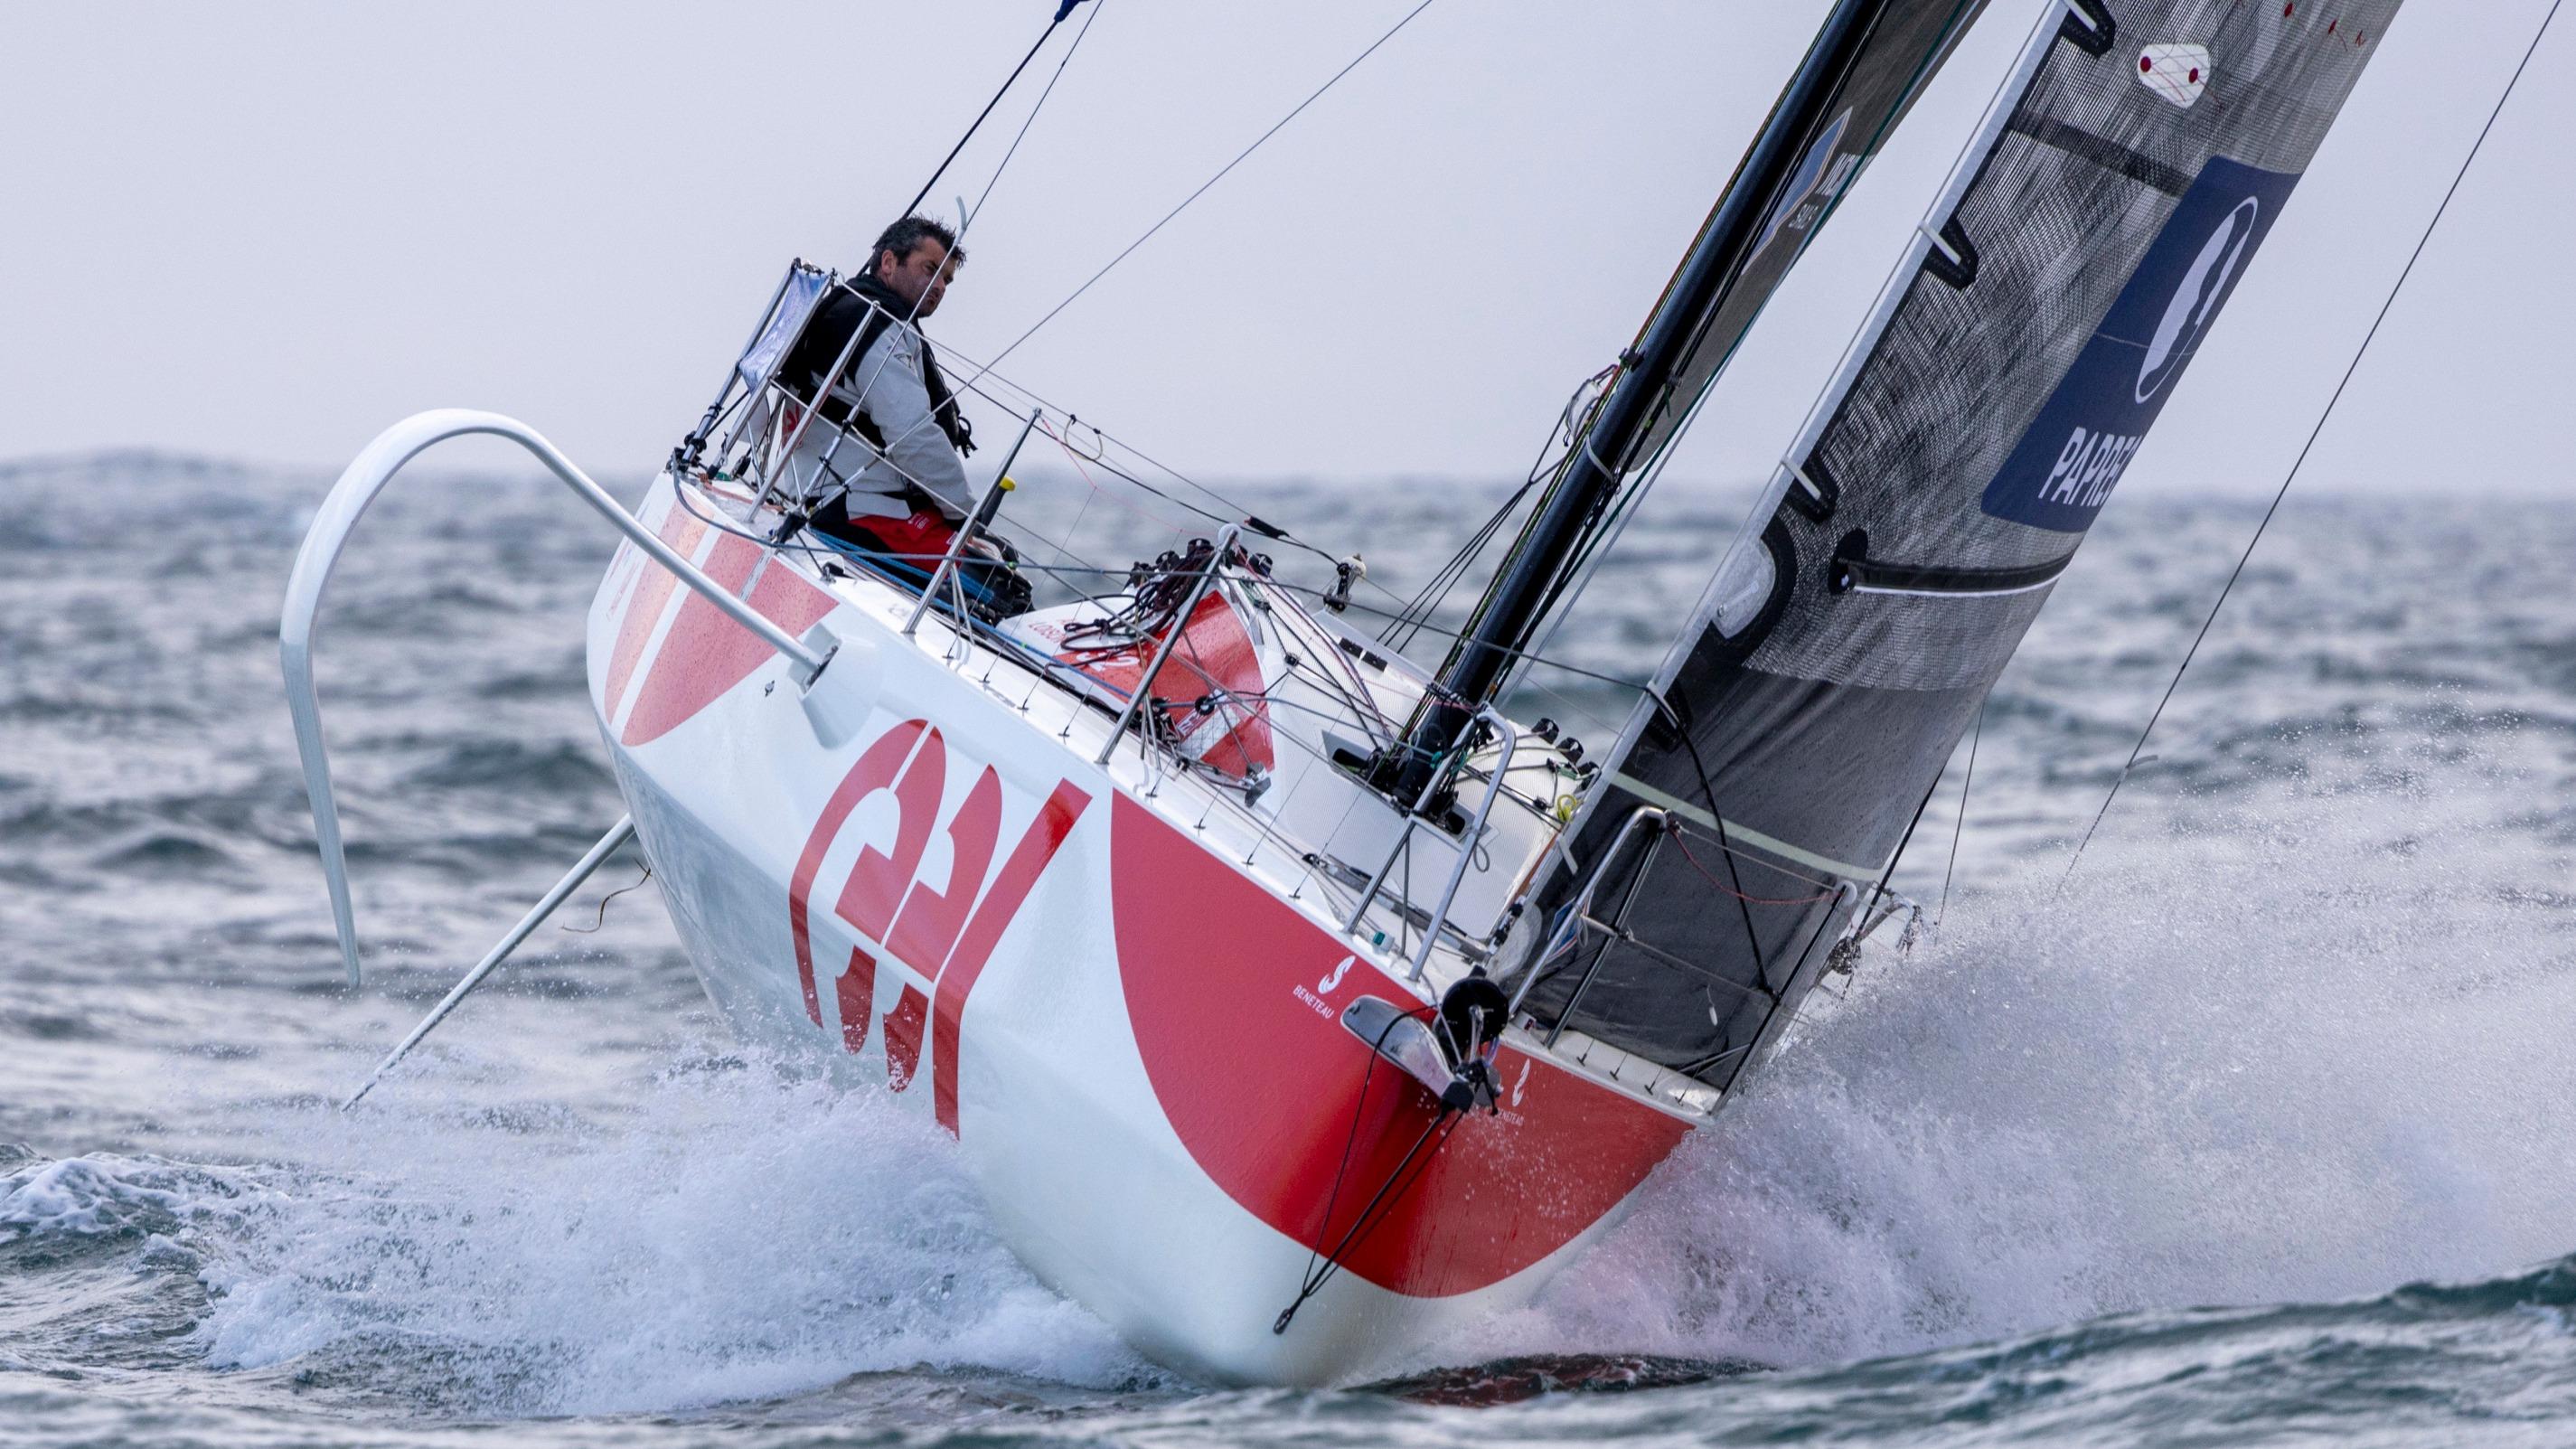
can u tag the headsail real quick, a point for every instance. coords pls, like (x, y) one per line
(2100, 219)
(1867, 62)
(1906, 45)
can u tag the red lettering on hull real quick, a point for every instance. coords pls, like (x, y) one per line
(1028, 861)
(875, 770)
(856, 994)
(934, 933)
(903, 1037)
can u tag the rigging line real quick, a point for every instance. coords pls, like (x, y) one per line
(966, 222)
(1960, 825)
(1238, 513)
(1726, 847)
(1432, 594)
(1613, 524)
(601, 921)
(1211, 181)
(2313, 433)
(1099, 571)
(1061, 12)
(1031, 120)
(1720, 888)
(1309, 590)
(1401, 1182)
(1063, 440)
(1349, 1140)
(1879, 892)
(1859, 914)
(1823, 883)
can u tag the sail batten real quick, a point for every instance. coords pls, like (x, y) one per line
(2041, 316)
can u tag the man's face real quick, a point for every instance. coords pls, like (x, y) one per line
(920, 279)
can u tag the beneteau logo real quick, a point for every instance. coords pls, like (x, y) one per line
(1315, 999)
(941, 934)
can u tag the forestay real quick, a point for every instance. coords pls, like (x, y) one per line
(2100, 219)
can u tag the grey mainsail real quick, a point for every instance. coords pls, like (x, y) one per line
(2101, 217)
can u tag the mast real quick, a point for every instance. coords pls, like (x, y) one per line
(1602, 452)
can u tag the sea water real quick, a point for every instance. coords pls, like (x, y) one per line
(2253, 1128)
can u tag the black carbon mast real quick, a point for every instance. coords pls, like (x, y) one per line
(1604, 450)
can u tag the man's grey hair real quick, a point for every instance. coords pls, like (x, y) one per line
(906, 235)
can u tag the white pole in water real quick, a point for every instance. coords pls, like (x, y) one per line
(536, 916)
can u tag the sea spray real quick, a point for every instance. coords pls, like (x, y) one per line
(743, 1235)
(2246, 1063)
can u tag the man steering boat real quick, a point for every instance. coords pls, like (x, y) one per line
(902, 496)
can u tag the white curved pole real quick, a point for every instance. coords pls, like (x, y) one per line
(365, 477)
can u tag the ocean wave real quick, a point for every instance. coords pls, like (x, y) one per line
(2286, 1038)
(105, 1198)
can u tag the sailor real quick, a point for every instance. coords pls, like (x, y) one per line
(898, 487)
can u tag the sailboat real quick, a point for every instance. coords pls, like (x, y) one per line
(1291, 1002)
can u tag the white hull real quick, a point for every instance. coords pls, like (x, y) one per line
(1123, 999)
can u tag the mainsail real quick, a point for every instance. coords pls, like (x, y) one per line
(2100, 219)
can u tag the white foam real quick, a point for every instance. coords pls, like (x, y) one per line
(2246, 1063)
(103, 1194)
(2242, 1061)
(740, 1238)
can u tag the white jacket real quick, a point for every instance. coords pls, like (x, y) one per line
(886, 383)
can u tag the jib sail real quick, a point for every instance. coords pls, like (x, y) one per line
(2098, 223)
(1905, 47)
(1868, 61)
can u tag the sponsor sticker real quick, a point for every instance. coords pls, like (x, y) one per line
(2058, 476)
(2178, 73)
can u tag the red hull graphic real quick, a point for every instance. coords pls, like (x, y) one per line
(863, 887)
(1262, 1082)
(706, 653)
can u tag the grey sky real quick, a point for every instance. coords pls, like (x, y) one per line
(267, 231)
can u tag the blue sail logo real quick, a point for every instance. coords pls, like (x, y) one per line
(2066, 464)
(2195, 302)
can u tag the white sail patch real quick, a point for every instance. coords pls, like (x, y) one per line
(2176, 72)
